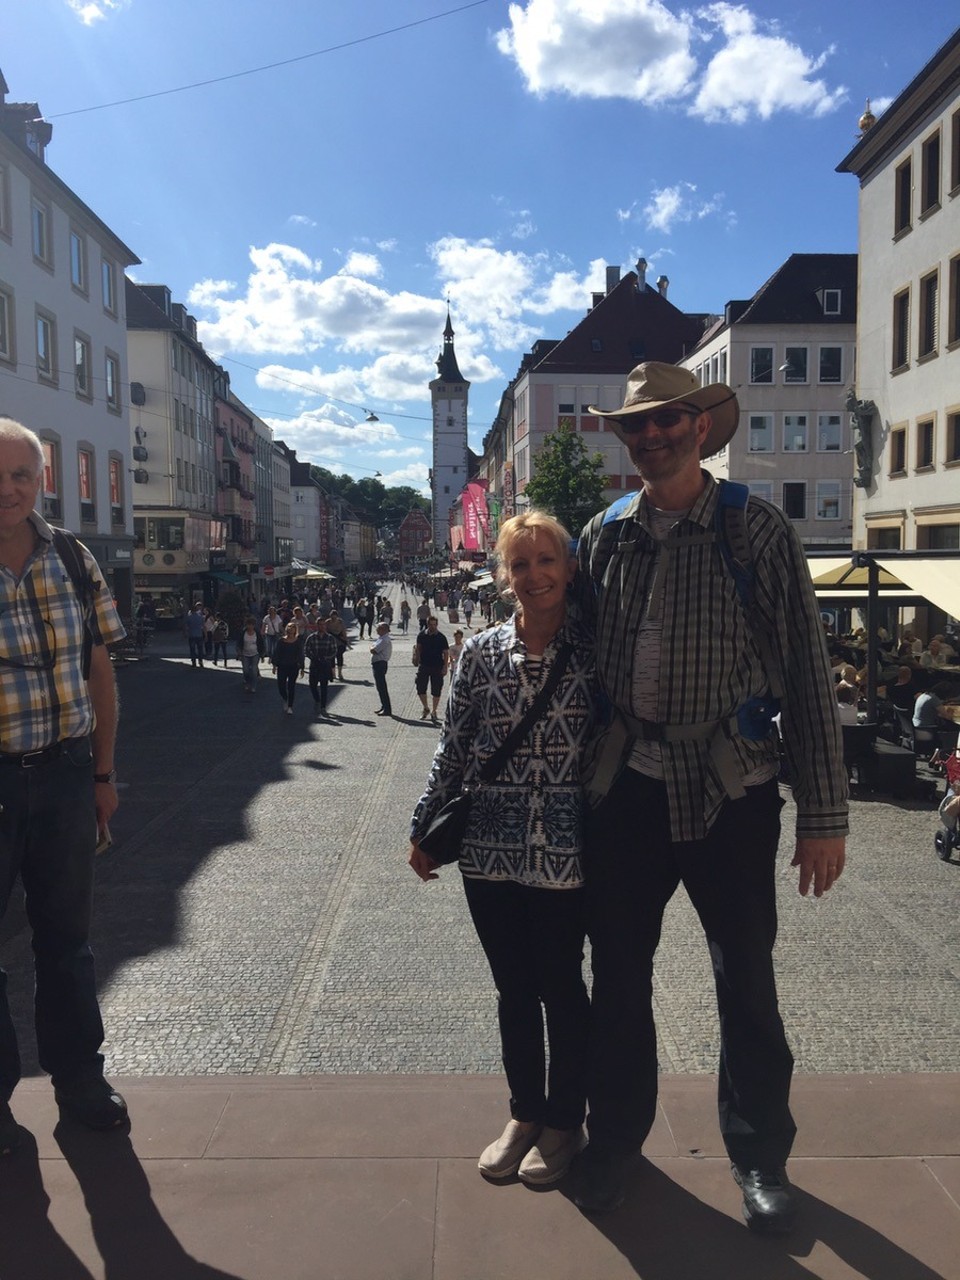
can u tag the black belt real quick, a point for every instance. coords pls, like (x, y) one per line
(31, 759)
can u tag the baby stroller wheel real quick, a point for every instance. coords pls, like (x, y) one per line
(943, 843)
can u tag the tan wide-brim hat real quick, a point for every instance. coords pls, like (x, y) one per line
(653, 385)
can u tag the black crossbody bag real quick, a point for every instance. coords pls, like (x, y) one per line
(442, 839)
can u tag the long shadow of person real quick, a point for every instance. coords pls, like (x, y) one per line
(129, 1230)
(666, 1232)
(30, 1245)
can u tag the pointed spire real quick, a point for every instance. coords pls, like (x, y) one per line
(447, 367)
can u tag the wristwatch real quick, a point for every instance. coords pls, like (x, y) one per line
(106, 777)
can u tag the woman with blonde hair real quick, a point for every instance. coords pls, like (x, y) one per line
(533, 677)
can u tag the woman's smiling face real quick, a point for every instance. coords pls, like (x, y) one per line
(537, 574)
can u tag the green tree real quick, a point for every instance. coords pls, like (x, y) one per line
(567, 480)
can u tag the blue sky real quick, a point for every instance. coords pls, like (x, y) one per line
(315, 216)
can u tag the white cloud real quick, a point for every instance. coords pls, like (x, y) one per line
(670, 205)
(600, 48)
(91, 11)
(386, 246)
(366, 265)
(879, 105)
(758, 74)
(301, 220)
(642, 51)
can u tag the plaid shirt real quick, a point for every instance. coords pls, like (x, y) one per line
(41, 619)
(710, 662)
(321, 648)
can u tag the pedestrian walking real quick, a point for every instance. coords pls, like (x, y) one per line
(194, 631)
(430, 659)
(287, 661)
(271, 629)
(320, 654)
(380, 653)
(251, 647)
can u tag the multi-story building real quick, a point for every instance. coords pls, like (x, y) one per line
(260, 582)
(558, 380)
(282, 518)
(413, 536)
(63, 343)
(789, 352)
(449, 392)
(907, 398)
(236, 450)
(181, 547)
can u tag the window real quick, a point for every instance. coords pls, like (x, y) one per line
(925, 445)
(108, 285)
(588, 396)
(116, 491)
(898, 451)
(930, 175)
(40, 232)
(828, 499)
(953, 437)
(828, 433)
(7, 328)
(831, 364)
(761, 489)
(111, 369)
(88, 511)
(52, 509)
(831, 300)
(903, 193)
(953, 302)
(795, 499)
(794, 433)
(179, 474)
(78, 261)
(761, 433)
(901, 330)
(954, 152)
(81, 365)
(929, 307)
(566, 399)
(46, 347)
(4, 201)
(761, 364)
(795, 364)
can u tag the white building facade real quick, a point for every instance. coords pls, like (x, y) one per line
(63, 344)
(908, 347)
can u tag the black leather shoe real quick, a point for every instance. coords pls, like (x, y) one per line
(9, 1131)
(769, 1206)
(599, 1180)
(93, 1103)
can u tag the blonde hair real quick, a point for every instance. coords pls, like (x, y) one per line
(518, 528)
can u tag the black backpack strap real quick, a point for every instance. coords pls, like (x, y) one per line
(67, 547)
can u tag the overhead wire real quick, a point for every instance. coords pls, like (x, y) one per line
(268, 66)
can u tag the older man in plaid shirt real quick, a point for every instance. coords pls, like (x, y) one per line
(57, 793)
(690, 789)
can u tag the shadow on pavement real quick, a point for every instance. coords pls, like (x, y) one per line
(665, 1233)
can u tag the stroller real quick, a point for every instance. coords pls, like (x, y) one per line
(947, 837)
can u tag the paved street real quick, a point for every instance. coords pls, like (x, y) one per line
(256, 915)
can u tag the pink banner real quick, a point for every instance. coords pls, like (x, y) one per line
(478, 490)
(471, 520)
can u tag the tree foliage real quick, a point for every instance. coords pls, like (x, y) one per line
(567, 480)
(386, 507)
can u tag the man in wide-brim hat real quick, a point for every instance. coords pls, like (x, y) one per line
(653, 386)
(694, 662)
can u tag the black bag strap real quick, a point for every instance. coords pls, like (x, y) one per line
(539, 705)
(67, 547)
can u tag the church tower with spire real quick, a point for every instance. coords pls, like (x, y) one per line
(448, 395)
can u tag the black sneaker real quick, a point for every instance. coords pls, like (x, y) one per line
(769, 1206)
(9, 1131)
(599, 1180)
(93, 1103)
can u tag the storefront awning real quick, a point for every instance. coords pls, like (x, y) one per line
(904, 578)
(222, 575)
(936, 580)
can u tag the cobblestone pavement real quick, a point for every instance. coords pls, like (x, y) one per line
(256, 914)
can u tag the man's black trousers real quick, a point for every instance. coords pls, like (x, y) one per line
(632, 870)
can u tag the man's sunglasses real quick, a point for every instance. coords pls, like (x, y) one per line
(662, 419)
